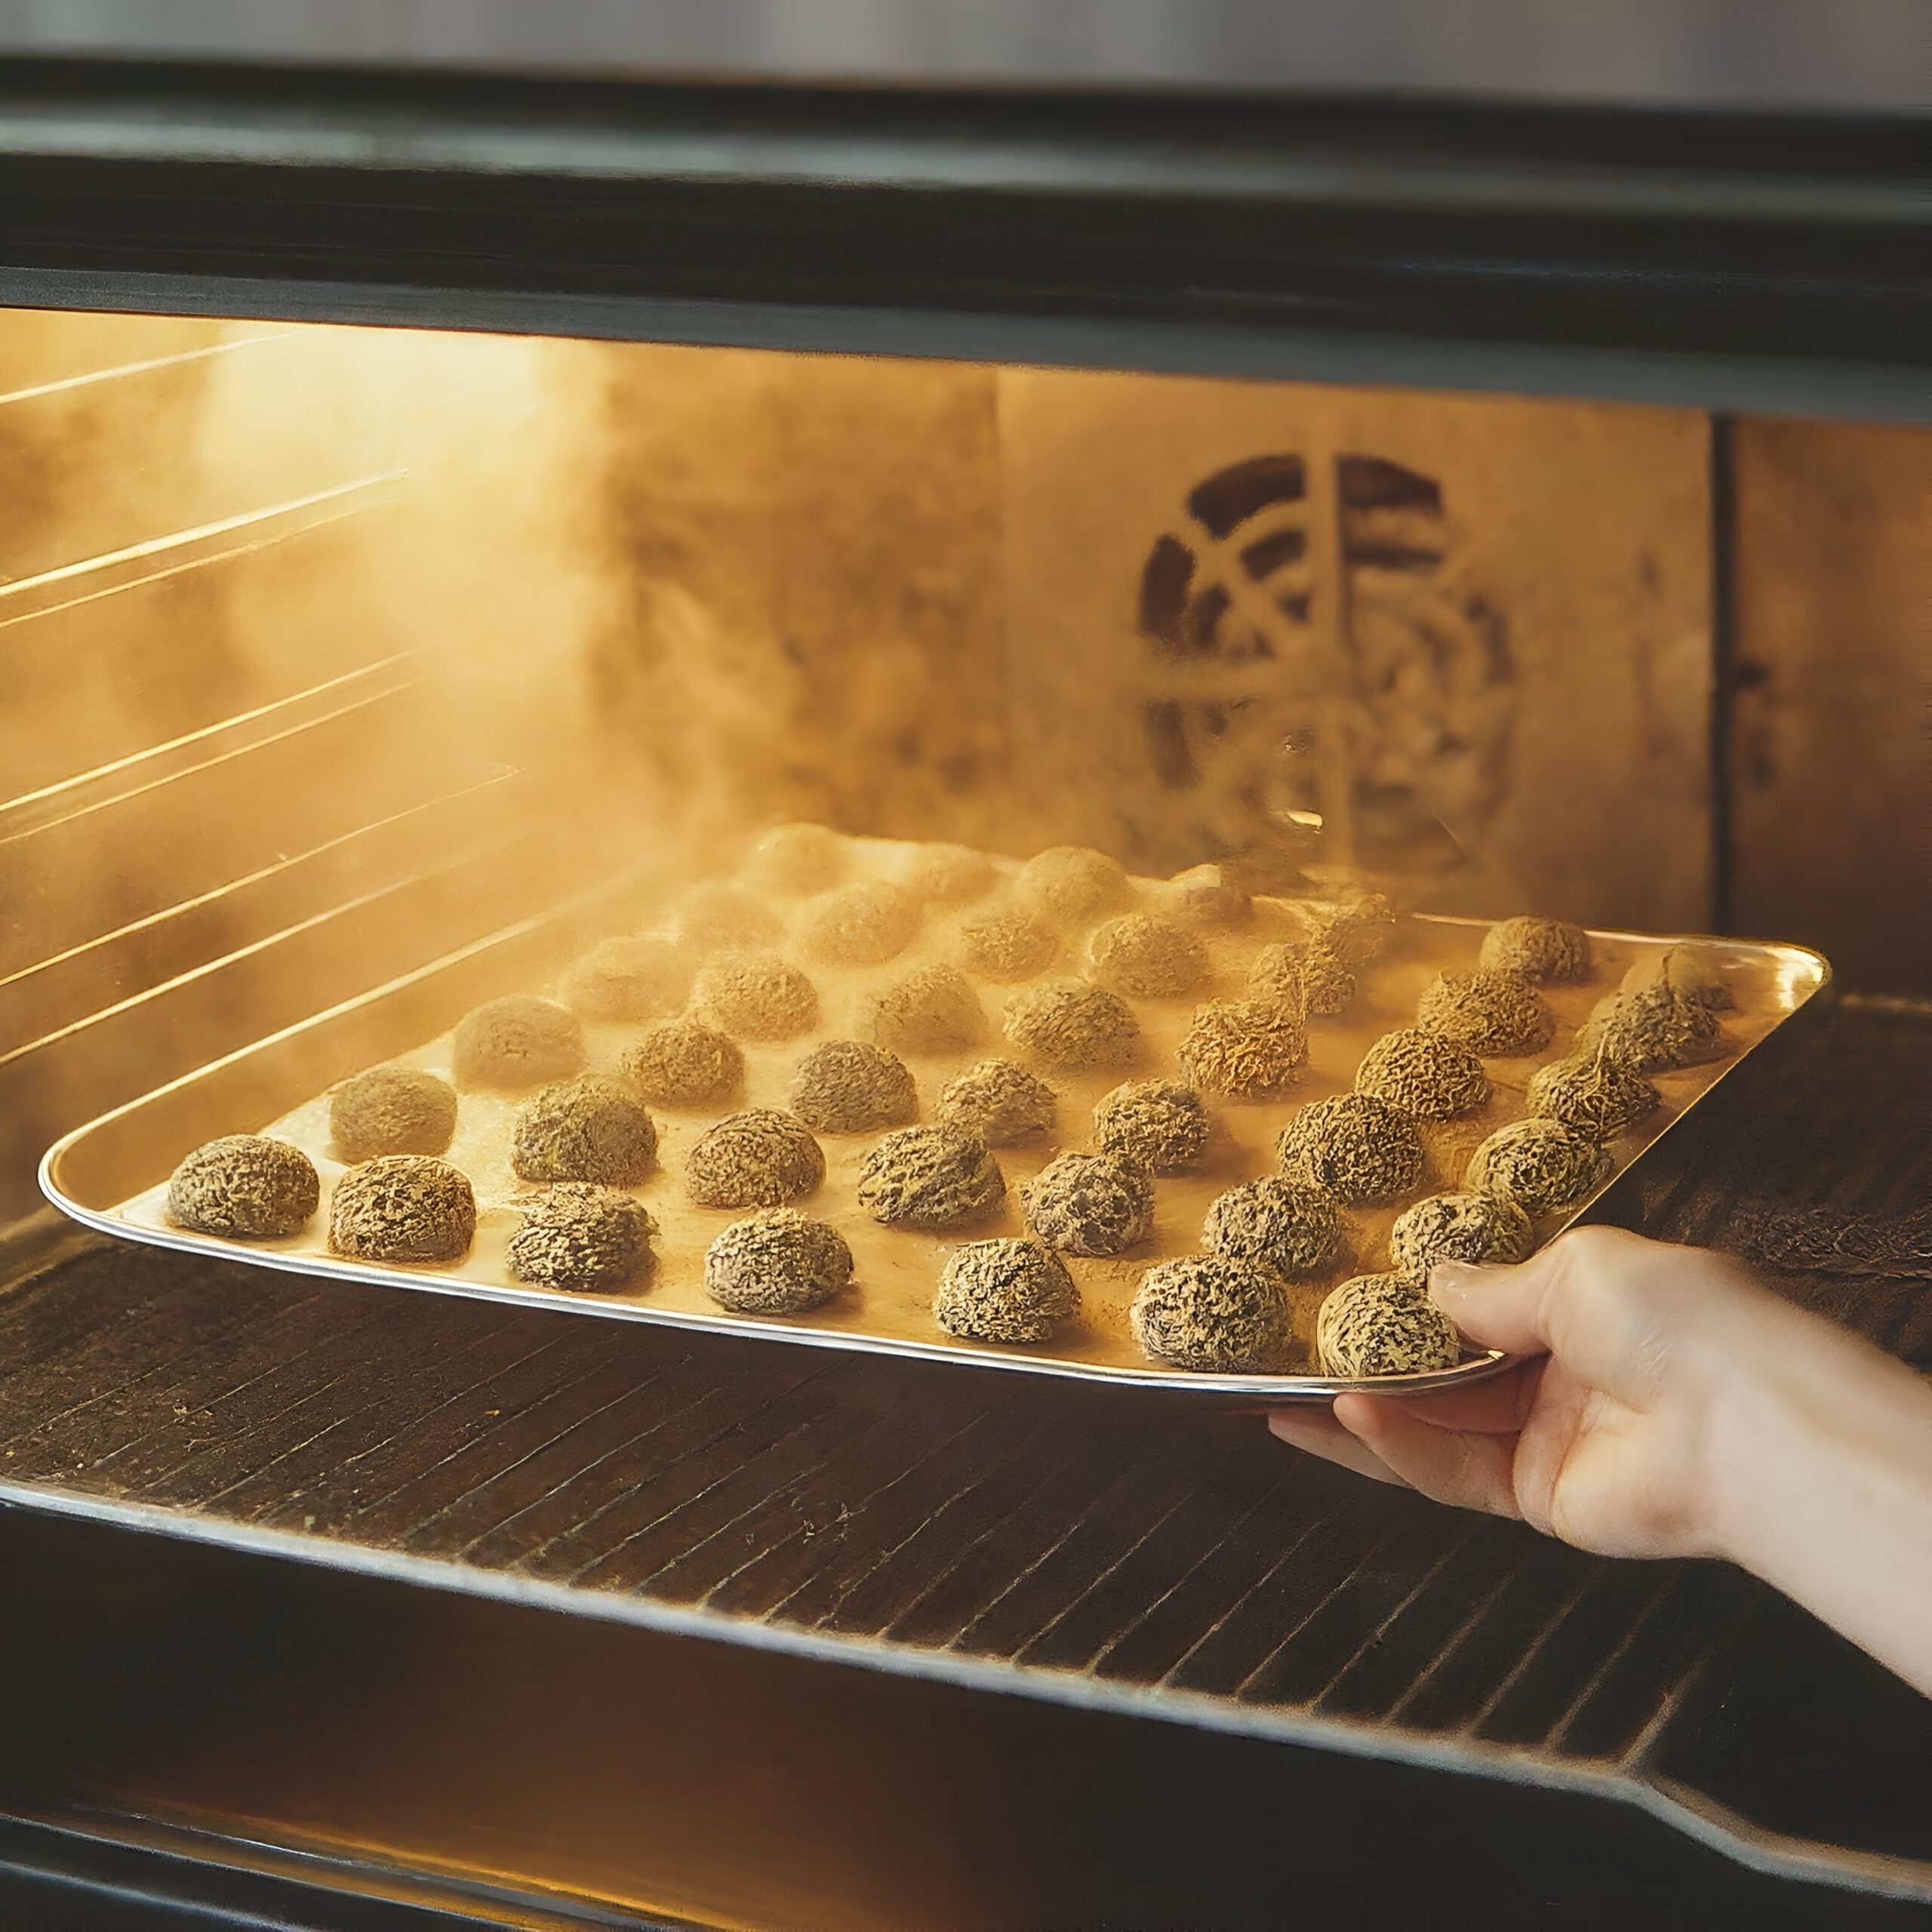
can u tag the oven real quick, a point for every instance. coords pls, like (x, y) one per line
(459, 486)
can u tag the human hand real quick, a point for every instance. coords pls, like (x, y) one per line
(1671, 1407)
(1603, 1437)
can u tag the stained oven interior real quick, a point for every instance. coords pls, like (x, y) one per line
(334, 656)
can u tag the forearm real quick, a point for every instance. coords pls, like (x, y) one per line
(1824, 1482)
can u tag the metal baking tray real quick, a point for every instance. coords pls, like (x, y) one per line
(112, 1174)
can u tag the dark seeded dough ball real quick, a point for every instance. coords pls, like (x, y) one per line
(1458, 1227)
(1006, 946)
(1090, 1204)
(715, 917)
(517, 1041)
(1594, 1093)
(846, 1087)
(1211, 1313)
(777, 1263)
(1360, 929)
(391, 1110)
(1689, 971)
(930, 1177)
(629, 979)
(1425, 1074)
(1162, 1124)
(1292, 1227)
(246, 1185)
(402, 1207)
(589, 1129)
(756, 996)
(1539, 1164)
(683, 1063)
(1537, 948)
(1311, 974)
(1207, 898)
(1066, 885)
(1001, 1102)
(1074, 1026)
(1360, 1149)
(1151, 958)
(931, 1010)
(794, 859)
(576, 1235)
(757, 1158)
(1489, 1013)
(1005, 1291)
(1651, 1029)
(948, 875)
(861, 925)
(1253, 1049)
(1379, 1324)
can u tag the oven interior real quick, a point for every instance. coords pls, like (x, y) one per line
(330, 651)
(327, 651)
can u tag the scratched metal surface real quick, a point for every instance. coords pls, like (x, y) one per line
(1087, 1544)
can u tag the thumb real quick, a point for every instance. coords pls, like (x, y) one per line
(1495, 1307)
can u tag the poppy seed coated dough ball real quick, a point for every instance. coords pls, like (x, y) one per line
(1360, 1148)
(1653, 1028)
(1291, 1226)
(1212, 1314)
(1250, 1049)
(1006, 947)
(629, 979)
(683, 1063)
(1207, 898)
(1379, 1324)
(1475, 1228)
(1001, 1102)
(931, 1010)
(1071, 1026)
(1690, 972)
(717, 917)
(1427, 1074)
(796, 859)
(1150, 958)
(588, 1129)
(577, 1235)
(1593, 1092)
(245, 1185)
(756, 996)
(1090, 1204)
(846, 1087)
(1491, 1013)
(1552, 950)
(515, 1042)
(391, 1110)
(1005, 1291)
(861, 925)
(1162, 1124)
(948, 875)
(758, 1159)
(402, 1207)
(1360, 929)
(930, 1177)
(1067, 885)
(777, 1262)
(1540, 1165)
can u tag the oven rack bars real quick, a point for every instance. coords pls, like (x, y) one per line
(1083, 1544)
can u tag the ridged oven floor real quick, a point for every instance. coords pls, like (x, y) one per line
(1093, 1546)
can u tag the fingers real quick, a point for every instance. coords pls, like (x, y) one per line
(1607, 1303)
(1318, 1431)
(1470, 1470)
(1497, 1407)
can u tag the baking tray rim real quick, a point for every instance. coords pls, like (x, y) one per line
(1268, 1388)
